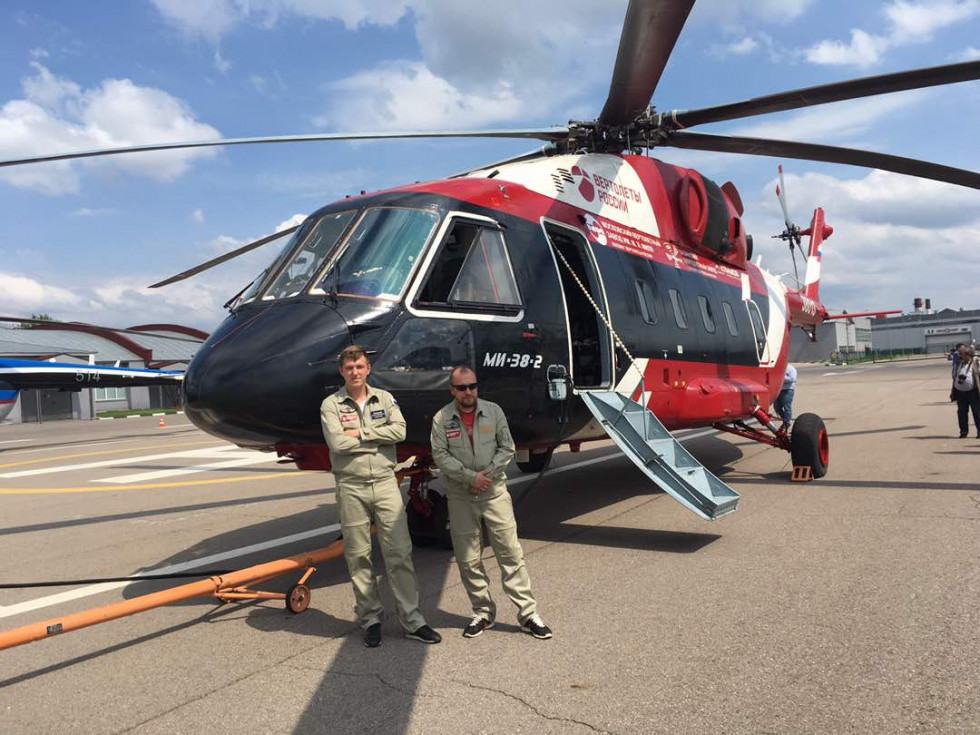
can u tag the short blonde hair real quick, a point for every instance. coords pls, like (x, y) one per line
(352, 354)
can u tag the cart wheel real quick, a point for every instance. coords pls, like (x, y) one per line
(298, 598)
(810, 445)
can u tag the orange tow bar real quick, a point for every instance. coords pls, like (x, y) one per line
(234, 586)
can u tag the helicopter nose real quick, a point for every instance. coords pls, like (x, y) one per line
(261, 376)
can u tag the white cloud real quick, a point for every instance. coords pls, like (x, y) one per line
(735, 13)
(198, 216)
(93, 212)
(895, 238)
(863, 50)
(969, 54)
(57, 115)
(19, 294)
(885, 198)
(912, 22)
(220, 63)
(212, 19)
(835, 122)
(907, 22)
(296, 219)
(746, 46)
(408, 96)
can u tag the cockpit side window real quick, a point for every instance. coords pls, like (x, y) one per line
(380, 254)
(252, 290)
(472, 269)
(308, 258)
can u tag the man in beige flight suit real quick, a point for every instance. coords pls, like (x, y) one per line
(362, 425)
(472, 445)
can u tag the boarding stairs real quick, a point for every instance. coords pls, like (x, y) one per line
(646, 441)
(660, 457)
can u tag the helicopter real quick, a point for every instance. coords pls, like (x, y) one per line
(583, 268)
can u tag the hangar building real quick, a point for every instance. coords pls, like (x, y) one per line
(160, 346)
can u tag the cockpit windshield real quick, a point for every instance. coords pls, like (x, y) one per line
(380, 253)
(308, 259)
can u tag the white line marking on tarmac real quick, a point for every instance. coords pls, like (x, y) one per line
(14, 441)
(61, 597)
(94, 589)
(147, 476)
(208, 453)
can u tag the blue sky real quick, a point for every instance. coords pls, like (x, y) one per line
(81, 241)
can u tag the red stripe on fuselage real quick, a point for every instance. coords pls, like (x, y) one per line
(517, 201)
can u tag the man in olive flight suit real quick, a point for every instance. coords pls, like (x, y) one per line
(362, 425)
(472, 445)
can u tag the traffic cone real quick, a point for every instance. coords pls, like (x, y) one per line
(162, 424)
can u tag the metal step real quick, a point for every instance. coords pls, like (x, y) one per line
(662, 458)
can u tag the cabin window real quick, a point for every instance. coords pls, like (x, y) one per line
(317, 243)
(707, 316)
(648, 303)
(759, 328)
(730, 318)
(380, 254)
(472, 271)
(680, 315)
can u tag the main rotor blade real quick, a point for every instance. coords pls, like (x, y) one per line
(224, 258)
(821, 95)
(649, 33)
(542, 152)
(54, 323)
(830, 154)
(548, 134)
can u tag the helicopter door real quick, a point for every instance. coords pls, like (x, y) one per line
(590, 344)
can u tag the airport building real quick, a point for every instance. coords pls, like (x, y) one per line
(840, 337)
(158, 346)
(925, 330)
(922, 331)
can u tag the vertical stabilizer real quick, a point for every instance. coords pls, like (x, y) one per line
(818, 232)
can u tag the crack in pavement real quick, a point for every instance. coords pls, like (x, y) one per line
(367, 675)
(232, 683)
(531, 707)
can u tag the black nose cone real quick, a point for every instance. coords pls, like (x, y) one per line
(260, 377)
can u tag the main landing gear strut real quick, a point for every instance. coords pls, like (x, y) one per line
(807, 442)
(427, 509)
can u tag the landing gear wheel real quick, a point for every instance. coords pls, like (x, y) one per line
(297, 598)
(810, 445)
(434, 529)
(536, 462)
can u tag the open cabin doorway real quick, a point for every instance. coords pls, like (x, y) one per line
(590, 344)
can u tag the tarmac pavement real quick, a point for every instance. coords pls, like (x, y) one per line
(848, 604)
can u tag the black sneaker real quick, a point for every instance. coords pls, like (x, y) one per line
(425, 634)
(372, 636)
(477, 625)
(535, 626)
(962, 435)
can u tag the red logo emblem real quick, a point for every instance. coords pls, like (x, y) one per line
(585, 187)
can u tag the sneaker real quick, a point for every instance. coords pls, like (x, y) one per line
(372, 636)
(962, 435)
(425, 634)
(535, 626)
(477, 625)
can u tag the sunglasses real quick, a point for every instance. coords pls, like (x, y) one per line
(464, 387)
